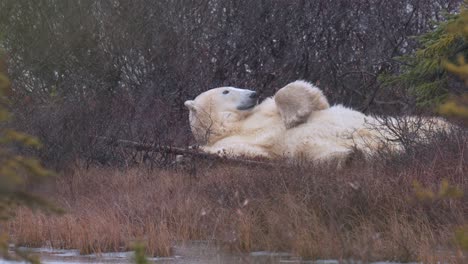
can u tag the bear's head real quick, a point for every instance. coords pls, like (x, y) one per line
(216, 113)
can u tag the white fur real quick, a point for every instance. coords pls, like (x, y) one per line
(273, 130)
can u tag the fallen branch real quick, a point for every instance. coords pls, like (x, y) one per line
(179, 151)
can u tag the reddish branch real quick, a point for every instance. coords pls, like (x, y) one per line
(179, 151)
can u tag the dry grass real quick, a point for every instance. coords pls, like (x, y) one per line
(364, 211)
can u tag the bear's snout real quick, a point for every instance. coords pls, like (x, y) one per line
(250, 100)
(253, 95)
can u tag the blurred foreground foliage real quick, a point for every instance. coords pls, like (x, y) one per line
(457, 106)
(446, 191)
(18, 173)
(140, 254)
(428, 73)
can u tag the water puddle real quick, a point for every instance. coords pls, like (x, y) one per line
(189, 253)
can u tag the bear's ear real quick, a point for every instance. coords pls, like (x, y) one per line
(190, 104)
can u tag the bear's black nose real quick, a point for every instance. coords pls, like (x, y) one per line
(253, 95)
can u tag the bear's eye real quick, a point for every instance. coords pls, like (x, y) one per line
(225, 92)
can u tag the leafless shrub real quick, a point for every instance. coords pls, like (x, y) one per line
(407, 131)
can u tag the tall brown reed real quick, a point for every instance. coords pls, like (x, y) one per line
(367, 210)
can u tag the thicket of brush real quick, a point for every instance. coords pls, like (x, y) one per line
(393, 208)
(122, 69)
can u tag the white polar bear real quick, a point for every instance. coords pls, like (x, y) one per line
(298, 124)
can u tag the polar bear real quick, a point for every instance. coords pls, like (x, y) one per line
(298, 123)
